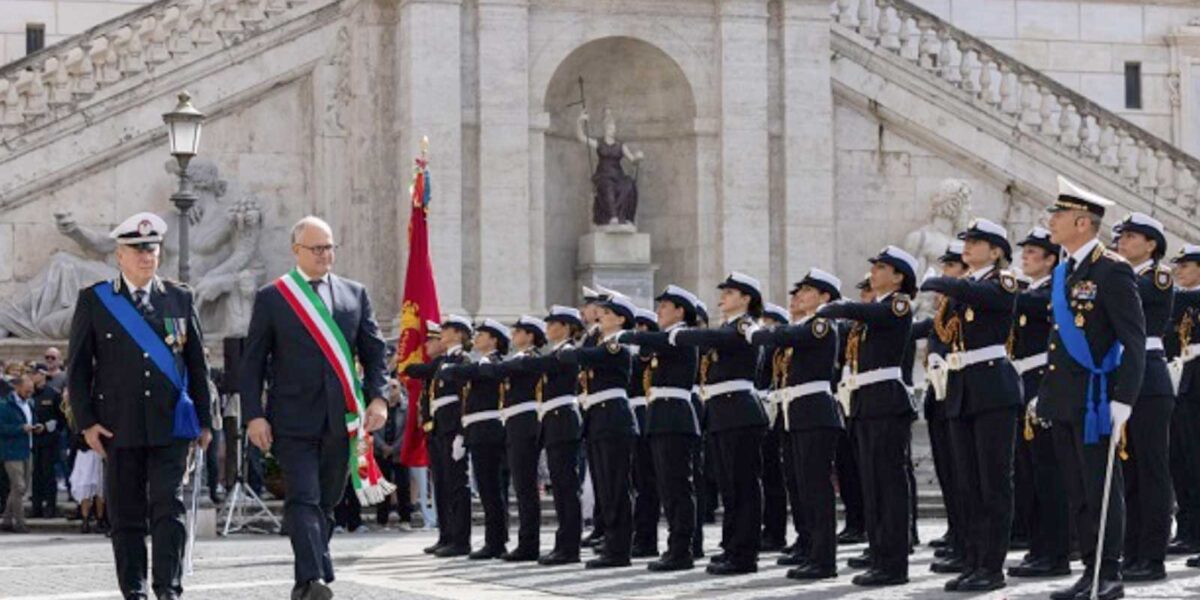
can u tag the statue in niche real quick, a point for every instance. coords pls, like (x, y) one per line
(949, 213)
(225, 257)
(616, 194)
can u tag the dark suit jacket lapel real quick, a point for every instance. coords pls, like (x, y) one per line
(1081, 270)
(339, 293)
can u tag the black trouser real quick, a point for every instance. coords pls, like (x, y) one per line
(699, 483)
(1025, 493)
(793, 488)
(45, 485)
(347, 513)
(611, 459)
(882, 454)
(597, 506)
(1185, 468)
(739, 477)
(943, 466)
(315, 472)
(398, 475)
(812, 454)
(646, 502)
(773, 486)
(563, 462)
(523, 456)
(452, 492)
(1050, 537)
(145, 485)
(673, 456)
(983, 453)
(486, 462)
(1083, 466)
(212, 462)
(1148, 479)
(849, 478)
(709, 488)
(911, 473)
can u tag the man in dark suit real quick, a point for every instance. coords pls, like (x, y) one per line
(304, 421)
(125, 405)
(1095, 296)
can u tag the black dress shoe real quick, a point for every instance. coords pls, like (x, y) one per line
(556, 558)
(851, 536)
(940, 542)
(451, 551)
(790, 548)
(874, 578)
(487, 553)
(1146, 570)
(949, 565)
(1194, 562)
(718, 558)
(731, 568)
(592, 540)
(862, 561)
(791, 560)
(432, 549)
(771, 544)
(671, 563)
(1081, 585)
(944, 552)
(1107, 590)
(643, 551)
(810, 572)
(607, 562)
(982, 581)
(1178, 546)
(519, 555)
(952, 585)
(313, 590)
(1040, 567)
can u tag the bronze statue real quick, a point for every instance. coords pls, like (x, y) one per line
(616, 194)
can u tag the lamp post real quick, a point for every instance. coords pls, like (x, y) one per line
(183, 128)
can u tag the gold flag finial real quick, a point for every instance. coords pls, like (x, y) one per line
(424, 146)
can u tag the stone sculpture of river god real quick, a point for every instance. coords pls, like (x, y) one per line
(616, 192)
(225, 229)
(949, 212)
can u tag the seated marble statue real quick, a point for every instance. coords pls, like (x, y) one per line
(616, 192)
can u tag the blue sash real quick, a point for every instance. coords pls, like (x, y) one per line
(187, 425)
(1098, 419)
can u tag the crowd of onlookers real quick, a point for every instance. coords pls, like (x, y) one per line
(44, 458)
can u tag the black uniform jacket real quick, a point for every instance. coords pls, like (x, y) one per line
(809, 352)
(670, 367)
(877, 341)
(726, 355)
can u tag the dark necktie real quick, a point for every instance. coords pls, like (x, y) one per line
(1071, 265)
(142, 301)
(316, 288)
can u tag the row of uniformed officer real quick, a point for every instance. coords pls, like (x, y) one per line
(1183, 347)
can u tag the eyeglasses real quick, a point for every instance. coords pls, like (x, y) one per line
(320, 250)
(50, 357)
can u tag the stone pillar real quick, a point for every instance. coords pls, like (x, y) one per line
(743, 207)
(505, 221)
(430, 103)
(807, 99)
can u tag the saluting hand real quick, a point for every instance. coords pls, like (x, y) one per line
(92, 435)
(376, 414)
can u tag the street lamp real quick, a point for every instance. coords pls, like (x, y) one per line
(183, 128)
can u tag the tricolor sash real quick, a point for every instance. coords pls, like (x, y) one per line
(1098, 419)
(369, 484)
(187, 424)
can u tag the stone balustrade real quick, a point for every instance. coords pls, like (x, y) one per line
(56, 81)
(1038, 105)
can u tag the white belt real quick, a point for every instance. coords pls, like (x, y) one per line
(590, 400)
(860, 380)
(1154, 343)
(516, 409)
(1029, 363)
(958, 361)
(658, 393)
(440, 402)
(787, 394)
(556, 403)
(726, 387)
(637, 401)
(486, 415)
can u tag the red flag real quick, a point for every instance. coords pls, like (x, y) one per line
(420, 305)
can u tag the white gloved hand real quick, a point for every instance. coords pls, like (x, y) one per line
(457, 449)
(1120, 415)
(1031, 410)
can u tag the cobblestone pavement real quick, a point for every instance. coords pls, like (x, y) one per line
(390, 565)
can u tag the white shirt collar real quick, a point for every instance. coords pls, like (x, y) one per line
(612, 336)
(562, 343)
(734, 317)
(678, 325)
(1142, 267)
(1191, 289)
(1039, 282)
(324, 278)
(803, 320)
(454, 350)
(884, 297)
(1084, 250)
(132, 288)
(981, 273)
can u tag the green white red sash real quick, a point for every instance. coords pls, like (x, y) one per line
(369, 484)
